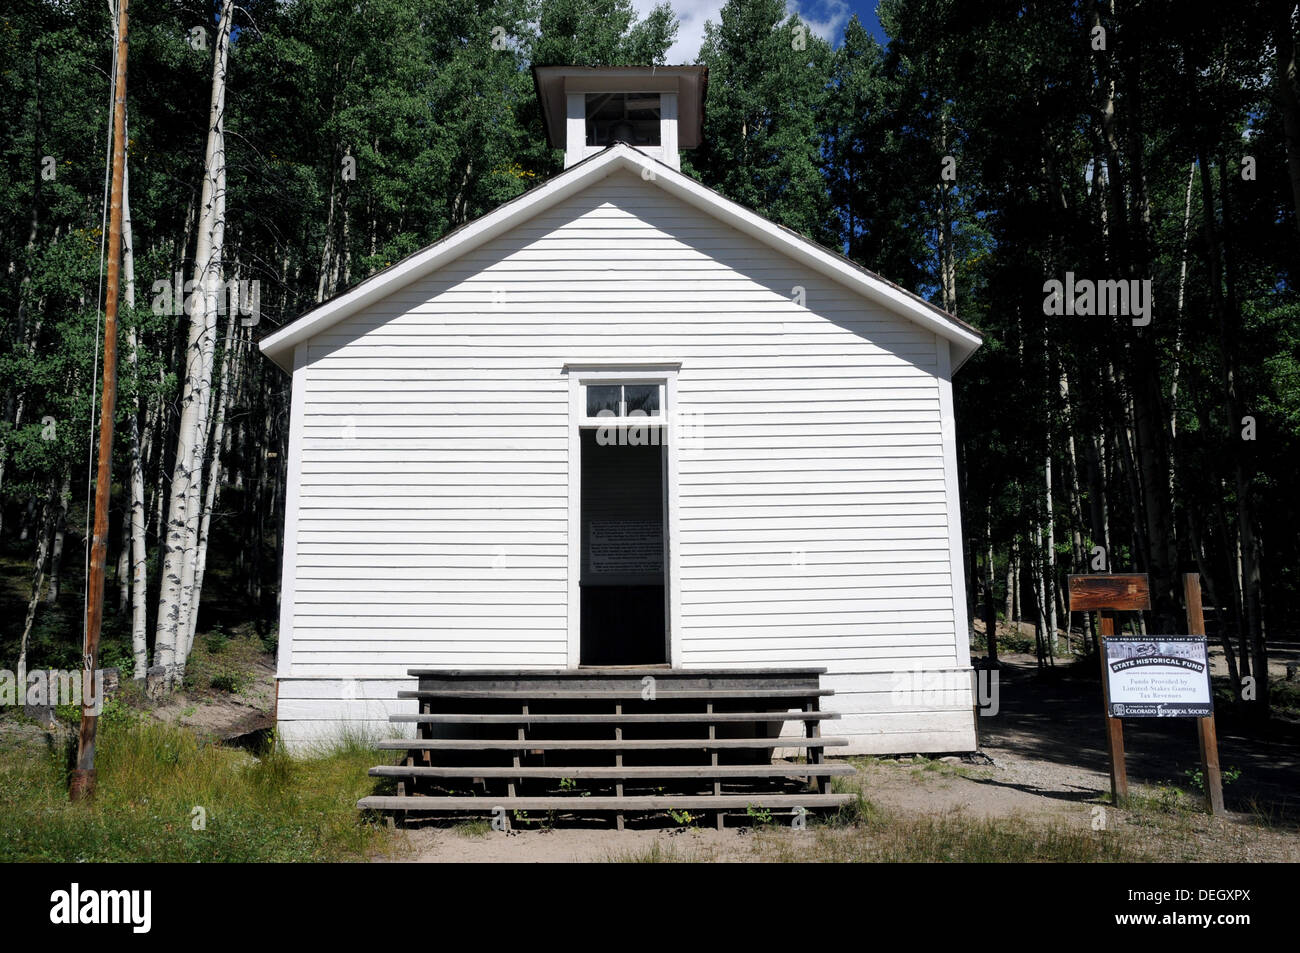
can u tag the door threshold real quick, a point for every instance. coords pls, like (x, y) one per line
(667, 665)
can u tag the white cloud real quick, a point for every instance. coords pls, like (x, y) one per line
(826, 18)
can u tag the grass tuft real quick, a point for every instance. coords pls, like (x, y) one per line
(474, 829)
(656, 853)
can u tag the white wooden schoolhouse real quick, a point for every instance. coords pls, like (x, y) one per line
(622, 426)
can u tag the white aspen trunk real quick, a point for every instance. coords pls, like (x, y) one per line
(322, 285)
(347, 248)
(236, 386)
(335, 263)
(194, 507)
(159, 424)
(1105, 500)
(1076, 500)
(1040, 592)
(943, 235)
(213, 481)
(38, 579)
(1049, 577)
(170, 649)
(1178, 327)
(1017, 609)
(1011, 588)
(213, 302)
(990, 577)
(124, 564)
(138, 558)
(60, 521)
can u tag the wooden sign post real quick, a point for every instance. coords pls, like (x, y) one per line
(1108, 594)
(1205, 731)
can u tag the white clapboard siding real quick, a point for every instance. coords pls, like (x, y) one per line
(812, 499)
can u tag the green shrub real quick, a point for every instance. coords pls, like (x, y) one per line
(228, 681)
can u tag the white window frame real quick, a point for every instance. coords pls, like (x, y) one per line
(581, 375)
(622, 418)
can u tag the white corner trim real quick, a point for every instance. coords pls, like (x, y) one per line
(674, 567)
(575, 129)
(948, 429)
(573, 567)
(293, 478)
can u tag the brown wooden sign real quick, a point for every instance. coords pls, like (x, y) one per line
(1110, 591)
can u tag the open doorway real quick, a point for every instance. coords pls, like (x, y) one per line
(623, 619)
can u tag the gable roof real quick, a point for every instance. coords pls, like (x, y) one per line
(963, 338)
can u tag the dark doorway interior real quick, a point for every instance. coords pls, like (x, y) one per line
(622, 525)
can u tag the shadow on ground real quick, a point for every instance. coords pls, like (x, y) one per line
(1056, 716)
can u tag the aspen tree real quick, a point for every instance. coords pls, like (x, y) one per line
(171, 649)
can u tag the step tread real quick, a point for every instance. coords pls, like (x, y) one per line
(600, 744)
(460, 718)
(631, 694)
(633, 802)
(625, 671)
(601, 771)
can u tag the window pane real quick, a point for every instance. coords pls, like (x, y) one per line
(630, 117)
(642, 399)
(602, 400)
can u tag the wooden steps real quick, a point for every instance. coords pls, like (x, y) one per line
(620, 741)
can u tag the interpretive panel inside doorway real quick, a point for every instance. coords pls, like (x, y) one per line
(626, 546)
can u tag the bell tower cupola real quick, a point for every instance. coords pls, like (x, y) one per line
(656, 109)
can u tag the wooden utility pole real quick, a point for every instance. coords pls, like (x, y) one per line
(83, 776)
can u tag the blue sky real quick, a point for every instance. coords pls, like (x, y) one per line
(826, 17)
